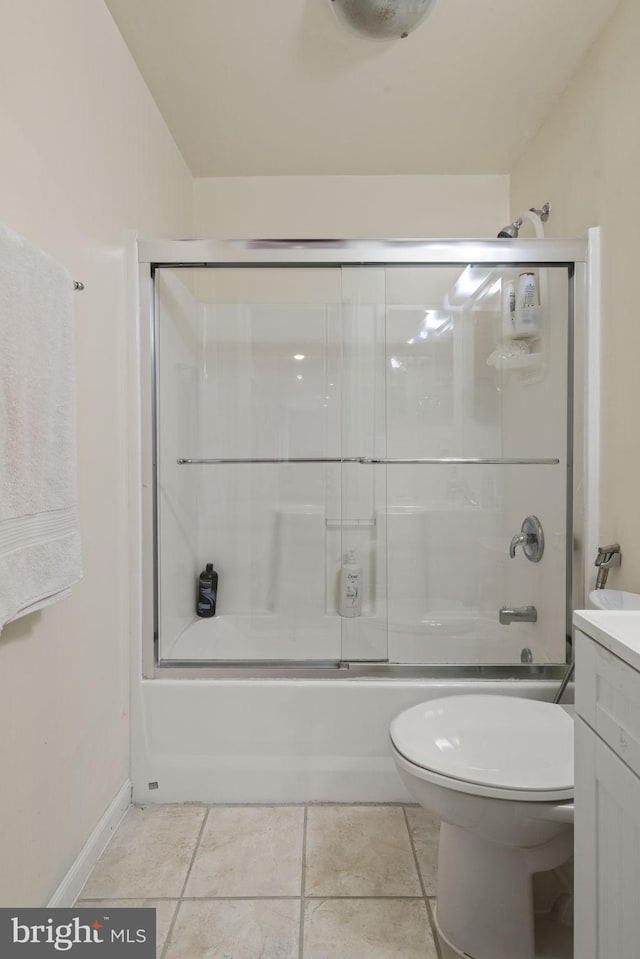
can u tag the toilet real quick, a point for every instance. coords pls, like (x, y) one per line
(498, 772)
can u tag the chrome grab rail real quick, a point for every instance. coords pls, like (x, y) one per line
(375, 461)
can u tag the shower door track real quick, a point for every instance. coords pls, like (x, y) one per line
(502, 253)
(349, 671)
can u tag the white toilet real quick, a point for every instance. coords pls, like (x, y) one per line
(498, 771)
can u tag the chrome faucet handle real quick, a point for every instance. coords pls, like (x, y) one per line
(520, 539)
(531, 538)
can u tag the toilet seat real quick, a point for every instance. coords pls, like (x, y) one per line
(495, 746)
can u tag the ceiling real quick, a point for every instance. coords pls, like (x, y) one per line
(280, 87)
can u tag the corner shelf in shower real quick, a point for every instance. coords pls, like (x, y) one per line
(524, 361)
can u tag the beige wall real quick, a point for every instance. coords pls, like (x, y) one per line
(350, 207)
(586, 161)
(84, 157)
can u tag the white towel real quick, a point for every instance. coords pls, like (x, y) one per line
(40, 552)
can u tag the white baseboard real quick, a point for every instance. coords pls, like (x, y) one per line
(68, 890)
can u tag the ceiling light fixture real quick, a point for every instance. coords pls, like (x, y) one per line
(382, 19)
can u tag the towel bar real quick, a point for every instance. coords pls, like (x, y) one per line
(371, 461)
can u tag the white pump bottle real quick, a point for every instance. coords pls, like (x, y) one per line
(350, 586)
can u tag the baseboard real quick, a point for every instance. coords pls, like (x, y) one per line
(68, 890)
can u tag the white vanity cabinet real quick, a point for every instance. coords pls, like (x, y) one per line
(607, 786)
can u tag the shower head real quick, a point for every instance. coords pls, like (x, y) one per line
(510, 232)
(537, 217)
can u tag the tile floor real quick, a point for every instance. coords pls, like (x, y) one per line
(277, 882)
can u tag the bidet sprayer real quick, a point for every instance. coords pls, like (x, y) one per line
(608, 557)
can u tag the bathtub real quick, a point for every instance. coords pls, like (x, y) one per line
(281, 740)
(409, 633)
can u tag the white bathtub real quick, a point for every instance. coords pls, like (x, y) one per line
(278, 741)
(407, 634)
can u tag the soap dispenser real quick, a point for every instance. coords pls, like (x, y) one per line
(350, 586)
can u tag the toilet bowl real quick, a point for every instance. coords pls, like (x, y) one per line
(498, 771)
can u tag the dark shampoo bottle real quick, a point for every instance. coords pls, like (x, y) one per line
(207, 592)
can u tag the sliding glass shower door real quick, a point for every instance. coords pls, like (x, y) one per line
(468, 436)
(353, 449)
(249, 462)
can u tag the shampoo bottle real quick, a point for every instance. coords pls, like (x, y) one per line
(527, 318)
(527, 291)
(350, 586)
(207, 592)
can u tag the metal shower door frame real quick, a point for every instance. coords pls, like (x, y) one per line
(158, 254)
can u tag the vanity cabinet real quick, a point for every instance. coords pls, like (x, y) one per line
(607, 786)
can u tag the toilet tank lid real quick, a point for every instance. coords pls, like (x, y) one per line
(498, 741)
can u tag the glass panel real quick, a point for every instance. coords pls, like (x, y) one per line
(460, 384)
(248, 368)
(364, 633)
(350, 554)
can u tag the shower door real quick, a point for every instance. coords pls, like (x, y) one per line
(386, 414)
(249, 452)
(467, 429)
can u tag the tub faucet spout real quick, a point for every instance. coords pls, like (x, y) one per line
(521, 614)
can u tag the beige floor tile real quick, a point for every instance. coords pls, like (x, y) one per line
(249, 851)
(148, 856)
(165, 909)
(236, 929)
(425, 832)
(367, 929)
(359, 851)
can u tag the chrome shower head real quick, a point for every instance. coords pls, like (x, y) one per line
(510, 232)
(539, 217)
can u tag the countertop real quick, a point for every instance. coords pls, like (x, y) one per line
(618, 631)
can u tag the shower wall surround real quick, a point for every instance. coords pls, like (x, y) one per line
(340, 364)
